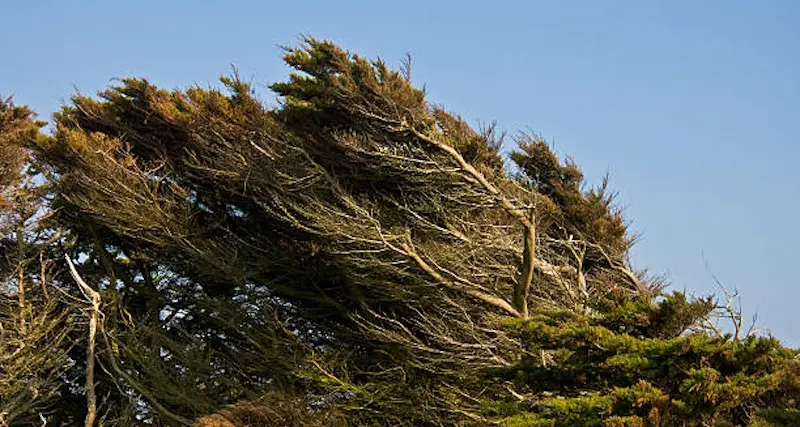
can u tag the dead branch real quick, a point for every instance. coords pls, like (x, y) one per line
(93, 298)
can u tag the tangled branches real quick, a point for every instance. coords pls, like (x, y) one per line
(355, 253)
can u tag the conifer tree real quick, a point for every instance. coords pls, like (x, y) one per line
(358, 256)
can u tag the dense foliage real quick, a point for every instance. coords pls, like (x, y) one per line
(632, 365)
(353, 256)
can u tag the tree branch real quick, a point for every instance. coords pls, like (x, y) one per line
(523, 286)
(489, 299)
(94, 298)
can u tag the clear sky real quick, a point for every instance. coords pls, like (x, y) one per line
(692, 106)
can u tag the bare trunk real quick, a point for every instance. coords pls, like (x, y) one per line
(523, 286)
(91, 397)
(93, 297)
(23, 326)
(43, 275)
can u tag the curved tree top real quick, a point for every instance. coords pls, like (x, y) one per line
(354, 256)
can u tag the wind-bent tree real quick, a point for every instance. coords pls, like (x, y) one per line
(357, 256)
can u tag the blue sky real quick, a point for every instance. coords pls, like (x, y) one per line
(693, 107)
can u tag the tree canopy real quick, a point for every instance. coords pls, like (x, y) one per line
(353, 256)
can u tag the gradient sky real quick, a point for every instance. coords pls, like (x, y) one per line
(692, 106)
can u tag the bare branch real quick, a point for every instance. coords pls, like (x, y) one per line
(93, 298)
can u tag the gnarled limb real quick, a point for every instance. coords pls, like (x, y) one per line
(523, 286)
(94, 298)
(94, 321)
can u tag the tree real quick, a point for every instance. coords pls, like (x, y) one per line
(35, 321)
(354, 256)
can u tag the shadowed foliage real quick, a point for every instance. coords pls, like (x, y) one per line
(353, 256)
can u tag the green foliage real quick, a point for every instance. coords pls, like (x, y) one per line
(354, 256)
(588, 215)
(603, 371)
